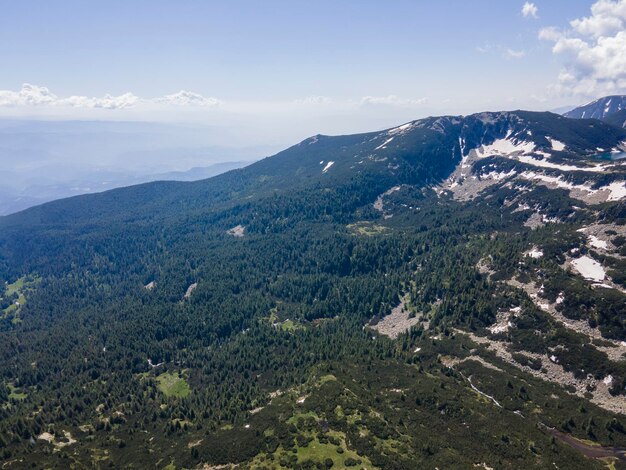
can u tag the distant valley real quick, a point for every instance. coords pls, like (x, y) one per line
(45, 160)
(17, 197)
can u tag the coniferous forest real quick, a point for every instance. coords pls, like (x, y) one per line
(239, 320)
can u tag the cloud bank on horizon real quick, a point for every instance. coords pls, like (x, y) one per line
(34, 95)
(30, 95)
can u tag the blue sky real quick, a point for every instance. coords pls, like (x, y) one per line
(303, 67)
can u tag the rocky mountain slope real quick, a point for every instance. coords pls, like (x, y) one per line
(616, 119)
(599, 109)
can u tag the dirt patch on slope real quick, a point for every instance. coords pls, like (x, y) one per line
(397, 322)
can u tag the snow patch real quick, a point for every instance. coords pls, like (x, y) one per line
(589, 268)
(535, 253)
(505, 147)
(500, 328)
(612, 192)
(498, 176)
(384, 144)
(597, 243)
(617, 190)
(555, 166)
(400, 129)
(556, 145)
(558, 181)
(327, 167)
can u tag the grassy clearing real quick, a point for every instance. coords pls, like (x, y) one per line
(16, 393)
(287, 325)
(304, 416)
(273, 315)
(334, 448)
(16, 287)
(19, 288)
(326, 378)
(367, 228)
(313, 447)
(390, 446)
(319, 452)
(173, 385)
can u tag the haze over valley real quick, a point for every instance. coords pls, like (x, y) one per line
(45, 160)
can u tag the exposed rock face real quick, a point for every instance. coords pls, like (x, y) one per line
(190, 289)
(237, 231)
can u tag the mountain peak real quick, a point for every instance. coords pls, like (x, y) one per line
(599, 109)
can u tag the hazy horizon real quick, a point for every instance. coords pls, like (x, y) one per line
(166, 87)
(274, 74)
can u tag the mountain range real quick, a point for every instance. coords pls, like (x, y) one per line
(447, 293)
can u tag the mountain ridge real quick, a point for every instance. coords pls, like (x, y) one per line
(598, 109)
(370, 150)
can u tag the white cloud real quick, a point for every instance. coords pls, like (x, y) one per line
(28, 95)
(483, 49)
(549, 33)
(187, 98)
(127, 100)
(506, 52)
(314, 100)
(594, 50)
(530, 10)
(607, 18)
(392, 100)
(538, 98)
(33, 95)
(513, 54)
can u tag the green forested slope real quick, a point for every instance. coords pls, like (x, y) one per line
(110, 352)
